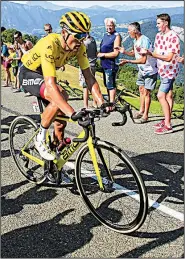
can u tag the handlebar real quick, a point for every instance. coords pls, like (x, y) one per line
(87, 116)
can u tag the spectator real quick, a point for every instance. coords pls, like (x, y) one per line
(47, 28)
(22, 44)
(167, 50)
(91, 48)
(22, 47)
(147, 75)
(14, 63)
(108, 55)
(5, 62)
(3, 29)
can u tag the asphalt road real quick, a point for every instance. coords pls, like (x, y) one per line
(44, 222)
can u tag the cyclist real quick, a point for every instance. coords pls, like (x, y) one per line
(38, 74)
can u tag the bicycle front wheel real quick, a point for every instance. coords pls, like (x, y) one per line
(122, 205)
(21, 131)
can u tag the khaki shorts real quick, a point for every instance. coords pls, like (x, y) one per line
(82, 79)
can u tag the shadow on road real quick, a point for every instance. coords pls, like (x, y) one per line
(32, 196)
(50, 239)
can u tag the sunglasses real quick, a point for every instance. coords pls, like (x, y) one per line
(79, 36)
(48, 30)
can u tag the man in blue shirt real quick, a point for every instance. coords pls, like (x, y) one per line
(108, 53)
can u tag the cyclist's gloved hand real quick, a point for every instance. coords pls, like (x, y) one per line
(82, 118)
(78, 115)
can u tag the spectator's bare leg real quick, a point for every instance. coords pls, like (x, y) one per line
(142, 99)
(147, 102)
(85, 97)
(169, 98)
(165, 107)
(8, 76)
(112, 95)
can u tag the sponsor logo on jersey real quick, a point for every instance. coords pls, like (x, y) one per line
(35, 81)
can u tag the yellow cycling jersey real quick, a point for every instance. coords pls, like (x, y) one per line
(48, 55)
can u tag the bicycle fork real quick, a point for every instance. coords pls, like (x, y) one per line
(95, 163)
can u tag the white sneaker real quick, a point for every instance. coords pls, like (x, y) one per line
(44, 150)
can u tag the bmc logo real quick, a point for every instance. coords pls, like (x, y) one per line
(31, 81)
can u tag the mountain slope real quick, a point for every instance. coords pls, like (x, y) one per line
(26, 18)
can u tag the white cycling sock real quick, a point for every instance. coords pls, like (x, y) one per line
(42, 134)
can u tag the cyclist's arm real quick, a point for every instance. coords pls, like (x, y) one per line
(93, 86)
(54, 94)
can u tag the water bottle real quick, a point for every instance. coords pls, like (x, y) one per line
(35, 106)
(64, 143)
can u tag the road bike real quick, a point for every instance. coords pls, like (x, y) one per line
(103, 174)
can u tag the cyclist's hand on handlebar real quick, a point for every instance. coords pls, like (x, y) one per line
(82, 118)
(78, 115)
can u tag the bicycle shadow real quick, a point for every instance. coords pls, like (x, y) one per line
(32, 196)
(51, 238)
(161, 239)
(172, 167)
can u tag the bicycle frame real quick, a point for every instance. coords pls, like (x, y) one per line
(68, 151)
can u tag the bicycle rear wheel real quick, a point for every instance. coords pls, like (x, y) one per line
(122, 205)
(21, 131)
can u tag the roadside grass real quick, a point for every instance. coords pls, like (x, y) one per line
(72, 75)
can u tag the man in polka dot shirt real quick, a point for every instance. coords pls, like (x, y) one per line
(167, 50)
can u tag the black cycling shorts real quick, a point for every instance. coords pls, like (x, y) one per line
(30, 81)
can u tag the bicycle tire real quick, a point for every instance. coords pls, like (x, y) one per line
(110, 213)
(21, 130)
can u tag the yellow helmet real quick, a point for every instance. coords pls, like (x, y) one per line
(75, 22)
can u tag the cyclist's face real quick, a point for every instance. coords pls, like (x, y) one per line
(73, 44)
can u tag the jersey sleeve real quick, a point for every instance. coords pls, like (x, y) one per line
(48, 59)
(82, 57)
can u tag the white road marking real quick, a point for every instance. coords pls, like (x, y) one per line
(171, 212)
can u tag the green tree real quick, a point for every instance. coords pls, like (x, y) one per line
(7, 35)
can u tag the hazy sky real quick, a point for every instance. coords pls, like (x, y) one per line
(111, 3)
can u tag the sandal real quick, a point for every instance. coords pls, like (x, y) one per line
(141, 121)
(137, 115)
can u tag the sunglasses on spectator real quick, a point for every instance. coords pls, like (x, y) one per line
(48, 30)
